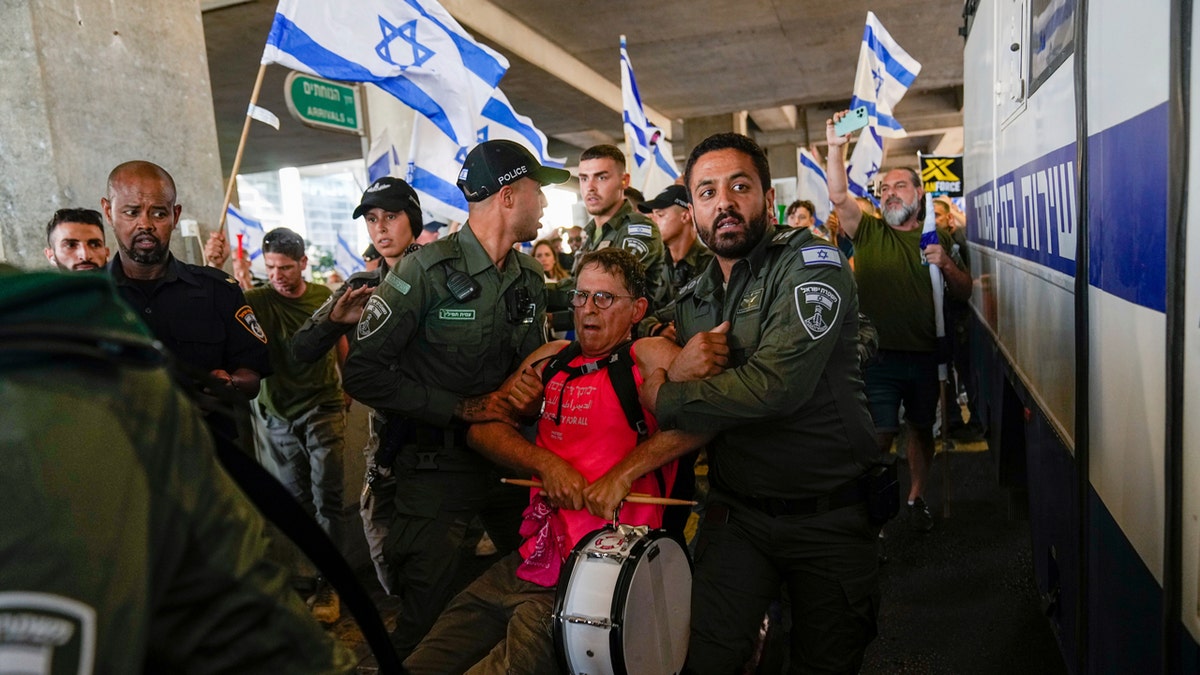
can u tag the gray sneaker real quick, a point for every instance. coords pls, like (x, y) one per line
(919, 518)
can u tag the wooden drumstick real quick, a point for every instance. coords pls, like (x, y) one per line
(632, 497)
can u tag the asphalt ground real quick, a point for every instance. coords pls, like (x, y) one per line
(959, 600)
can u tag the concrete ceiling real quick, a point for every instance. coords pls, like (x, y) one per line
(788, 63)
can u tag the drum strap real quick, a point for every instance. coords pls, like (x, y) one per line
(622, 381)
(621, 378)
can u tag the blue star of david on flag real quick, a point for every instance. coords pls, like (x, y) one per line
(406, 33)
(412, 49)
(885, 72)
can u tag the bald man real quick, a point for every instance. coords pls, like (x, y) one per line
(198, 313)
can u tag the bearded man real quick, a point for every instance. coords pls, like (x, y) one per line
(198, 313)
(770, 369)
(892, 271)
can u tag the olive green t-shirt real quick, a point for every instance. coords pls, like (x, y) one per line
(296, 386)
(894, 289)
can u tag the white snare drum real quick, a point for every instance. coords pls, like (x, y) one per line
(624, 604)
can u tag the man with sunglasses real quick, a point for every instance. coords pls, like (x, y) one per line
(300, 411)
(438, 336)
(499, 623)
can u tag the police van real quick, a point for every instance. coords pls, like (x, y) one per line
(1086, 330)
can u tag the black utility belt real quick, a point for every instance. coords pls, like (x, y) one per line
(432, 436)
(848, 494)
(877, 487)
(423, 446)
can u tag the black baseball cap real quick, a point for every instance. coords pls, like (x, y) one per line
(493, 164)
(390, 194)
(674, 195)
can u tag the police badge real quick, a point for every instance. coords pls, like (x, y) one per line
(374, 315)
(818, 305)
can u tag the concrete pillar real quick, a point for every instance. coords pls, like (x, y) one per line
(88, 85)
(782, 159)
(696, 129)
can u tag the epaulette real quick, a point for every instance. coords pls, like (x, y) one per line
(370, 275)
(688, 288)
(214, 272)
(436, 252)
(530, 264)
(785, 235)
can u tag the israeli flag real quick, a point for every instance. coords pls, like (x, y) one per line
(412, 49)
(929, 236)
(501, 121)
(864, 163)
(382, 157)
(812, 185)
(653, 167)
(251, 231)
(433, 165)
(345, 260)
(885, 72)
(435, 160)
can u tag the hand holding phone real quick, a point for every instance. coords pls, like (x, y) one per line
(853, 121)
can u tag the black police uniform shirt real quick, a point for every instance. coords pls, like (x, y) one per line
(199, 314)
(790, 408)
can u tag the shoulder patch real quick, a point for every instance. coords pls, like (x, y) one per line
(328, 301)
(392, 279)
(818, 306)
(374, 316)
(821, 255)
(637, 247)
(689, 286)
(245, 316)
(45, 633)
(639, 230)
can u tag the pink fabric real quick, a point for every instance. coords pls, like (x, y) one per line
(593, 436)
(550, 548)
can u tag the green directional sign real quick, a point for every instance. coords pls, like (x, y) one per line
(324, 104)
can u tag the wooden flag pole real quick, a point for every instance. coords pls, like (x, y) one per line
(237, 158)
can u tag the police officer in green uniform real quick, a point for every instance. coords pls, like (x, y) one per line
(124, 548)
(615, 221)
(443, 331)
(778, 310)
(198, 313)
